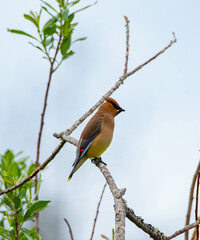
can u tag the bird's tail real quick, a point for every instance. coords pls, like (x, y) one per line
(71, 174)
(76, 167)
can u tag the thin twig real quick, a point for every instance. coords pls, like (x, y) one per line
(39, 143)
(127, 45)
(194, 234)
(70, 230)
(57, 66)
(42, 125)
(191, 197)
(186, 228)
(97, 212)
(114, 88)
(16, 226)
(197, 201)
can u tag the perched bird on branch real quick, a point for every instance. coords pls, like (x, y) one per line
(97, 134)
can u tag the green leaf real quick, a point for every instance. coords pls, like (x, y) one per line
(80, 39)
(38, 205)
(18, 154)
(28, 17)
(50, 30)
(65, 14)
(74, 25)
(37, 48)
(33, 14)
(47, 11)
(62, 3)
(103, 236)
(2, 221)
(65, 45)
(31, 169)
(4, 233)
(39, 185)
(14, 170)
(85, 7)
(9, 180)
(74, 2)
(50, 22)
(22, 192)
(26, 234)
(3, 230)
(38, 17)
(28, 215)
(17, 203)
(7, 160)
(70, 53)
(21, 33)
(71, 17)
(49, 41)
(34, 234)
(66, 29)
(48, 5)
(8, 203)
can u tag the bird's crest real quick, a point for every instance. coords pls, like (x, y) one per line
(111, 100)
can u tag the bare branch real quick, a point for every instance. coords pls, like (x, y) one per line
(42, 125)
(191, 196)
(152, 231)
(127, 45)
(70, 230)
(114, 88)
(197, 201)
(154, 57)
(119, 204)
(148, 228)
(58, 65)
(186, 228)
(97, 212)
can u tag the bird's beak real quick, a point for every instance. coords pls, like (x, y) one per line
(120, 110)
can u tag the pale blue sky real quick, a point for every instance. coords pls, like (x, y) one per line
(156, 144)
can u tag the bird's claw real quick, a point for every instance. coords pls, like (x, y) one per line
(96, 161)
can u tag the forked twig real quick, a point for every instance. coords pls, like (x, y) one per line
(114, 88)
(97, 212)
(70, 230)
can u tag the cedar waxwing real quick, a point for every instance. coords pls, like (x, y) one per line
(97, 134)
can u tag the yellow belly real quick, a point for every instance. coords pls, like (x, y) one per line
(100, 144)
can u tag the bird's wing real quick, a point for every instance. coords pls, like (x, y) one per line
(90, 132)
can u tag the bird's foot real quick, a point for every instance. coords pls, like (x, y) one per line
(96, 161)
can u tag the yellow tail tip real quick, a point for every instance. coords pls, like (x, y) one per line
(68, 179)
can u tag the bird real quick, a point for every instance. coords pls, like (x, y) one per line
(97, 134)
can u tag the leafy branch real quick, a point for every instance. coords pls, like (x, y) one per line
(54, 37)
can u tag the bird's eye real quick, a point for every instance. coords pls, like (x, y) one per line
(115, 106)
